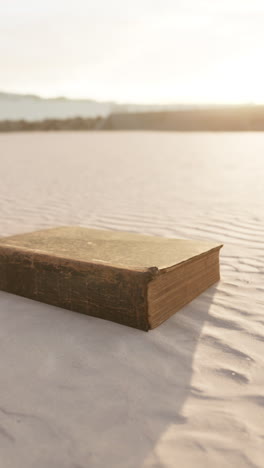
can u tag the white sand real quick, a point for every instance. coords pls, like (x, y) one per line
(79, 392)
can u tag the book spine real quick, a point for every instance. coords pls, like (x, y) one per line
(98, 290)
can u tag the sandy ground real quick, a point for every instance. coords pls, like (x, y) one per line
(79, 392)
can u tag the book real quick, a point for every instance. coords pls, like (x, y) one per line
(132, 279)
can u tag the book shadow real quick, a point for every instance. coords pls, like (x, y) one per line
(168, 379)
(115, 391)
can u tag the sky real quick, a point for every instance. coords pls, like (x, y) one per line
(138, 51)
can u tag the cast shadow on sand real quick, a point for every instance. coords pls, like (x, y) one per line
(114, 391)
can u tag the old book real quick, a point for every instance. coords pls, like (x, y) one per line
(132, 279)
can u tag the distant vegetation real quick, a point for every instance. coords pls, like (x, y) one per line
(236, 118)
(77, 123)
(239, 118)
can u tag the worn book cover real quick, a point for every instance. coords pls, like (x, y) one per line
(128, 278)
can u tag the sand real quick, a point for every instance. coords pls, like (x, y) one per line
(80, 392)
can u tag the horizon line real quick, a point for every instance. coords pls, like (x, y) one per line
(137, 103)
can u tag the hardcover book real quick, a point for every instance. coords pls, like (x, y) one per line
(128, 278)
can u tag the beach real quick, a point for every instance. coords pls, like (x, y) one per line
(76, 391)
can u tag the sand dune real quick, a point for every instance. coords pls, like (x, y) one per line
(78, 391)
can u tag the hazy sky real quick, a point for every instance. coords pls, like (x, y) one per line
(134, 50)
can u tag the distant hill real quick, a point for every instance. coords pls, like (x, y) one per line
(33, 113)
(232, 118)
(242, 118)
(32, 108)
